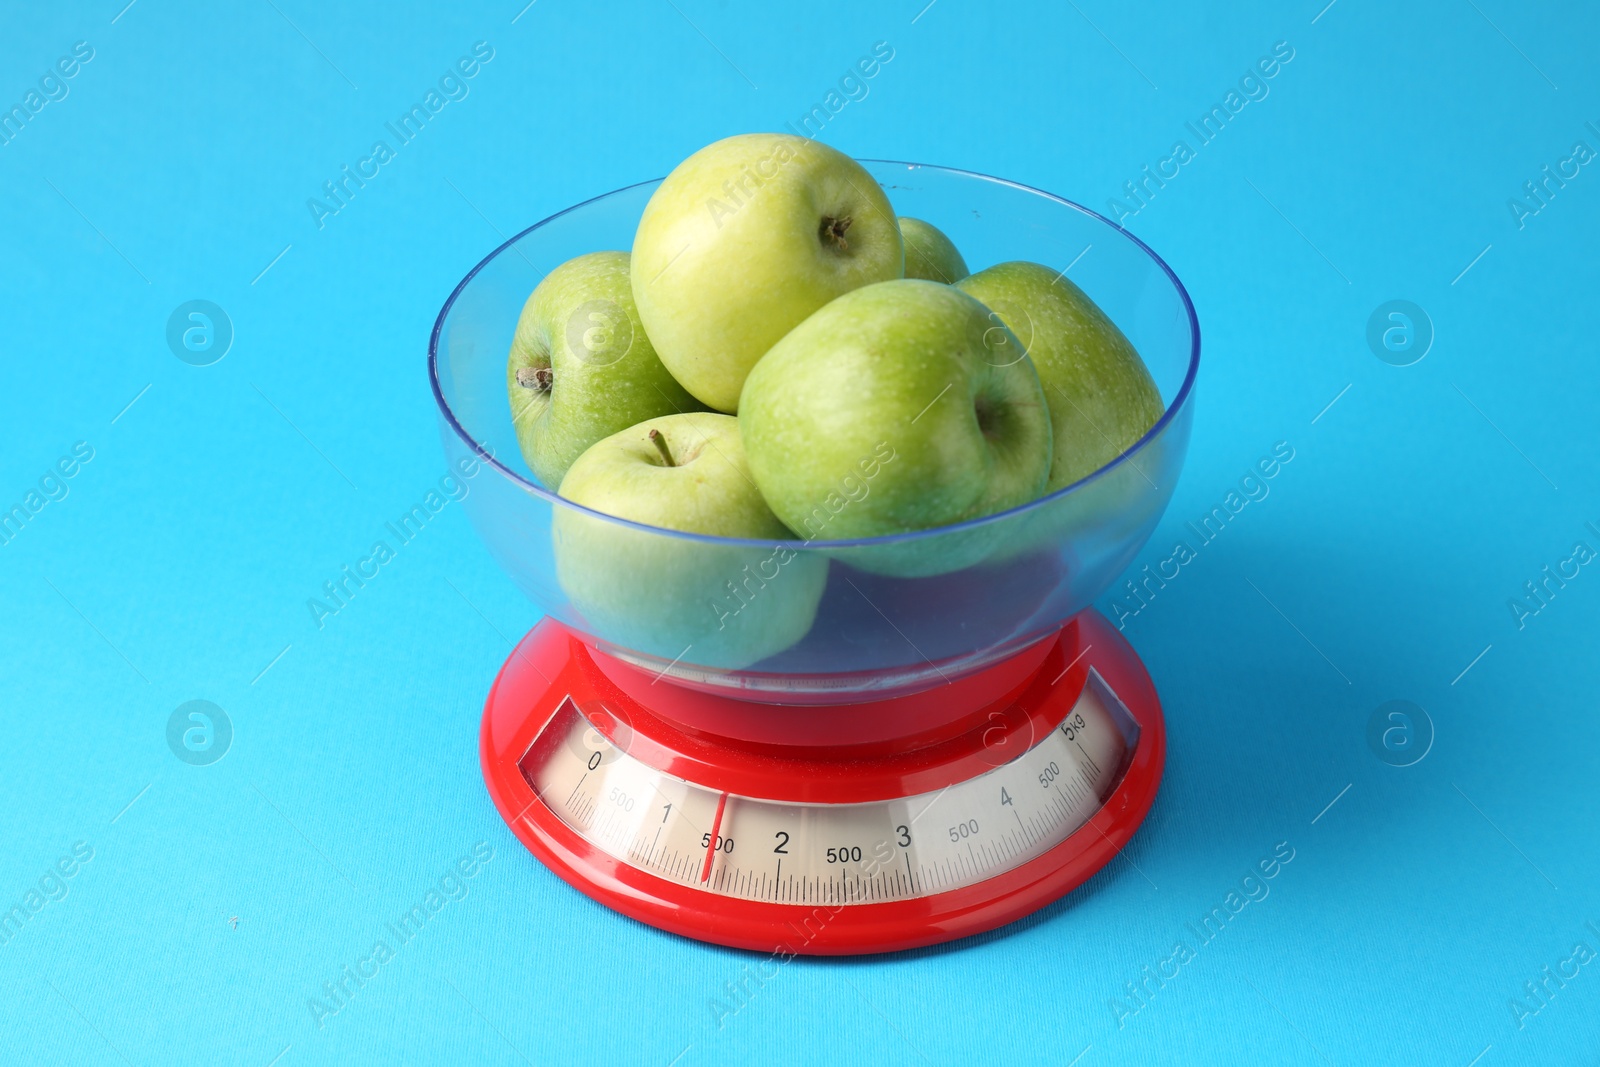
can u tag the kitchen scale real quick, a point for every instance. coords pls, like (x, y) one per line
(863, 827)
(959, 739)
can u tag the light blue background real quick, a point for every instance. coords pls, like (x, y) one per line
(179, 565)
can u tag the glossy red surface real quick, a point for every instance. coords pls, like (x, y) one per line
(971, 731)
(894, 723)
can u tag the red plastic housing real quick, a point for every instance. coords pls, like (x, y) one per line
(838, 754)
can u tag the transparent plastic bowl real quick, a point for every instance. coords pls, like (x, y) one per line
(664, 600)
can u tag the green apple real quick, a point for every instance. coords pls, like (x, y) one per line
(581, 367)
(892, 410)
(742, 241)
(681, 598)
(1102, 398)
(929, 253)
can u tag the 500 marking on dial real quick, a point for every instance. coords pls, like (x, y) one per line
(814, 853)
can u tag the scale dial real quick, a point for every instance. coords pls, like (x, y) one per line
(785, 852)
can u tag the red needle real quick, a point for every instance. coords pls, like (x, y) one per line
(711, 845)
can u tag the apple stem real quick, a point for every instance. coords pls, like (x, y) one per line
(539, 378)
(659, 439)
(833, 231)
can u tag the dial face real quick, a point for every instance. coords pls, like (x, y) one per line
(814, 853)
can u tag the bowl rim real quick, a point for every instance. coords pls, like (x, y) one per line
(1184, 394)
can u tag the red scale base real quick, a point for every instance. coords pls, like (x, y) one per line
(832, 754)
